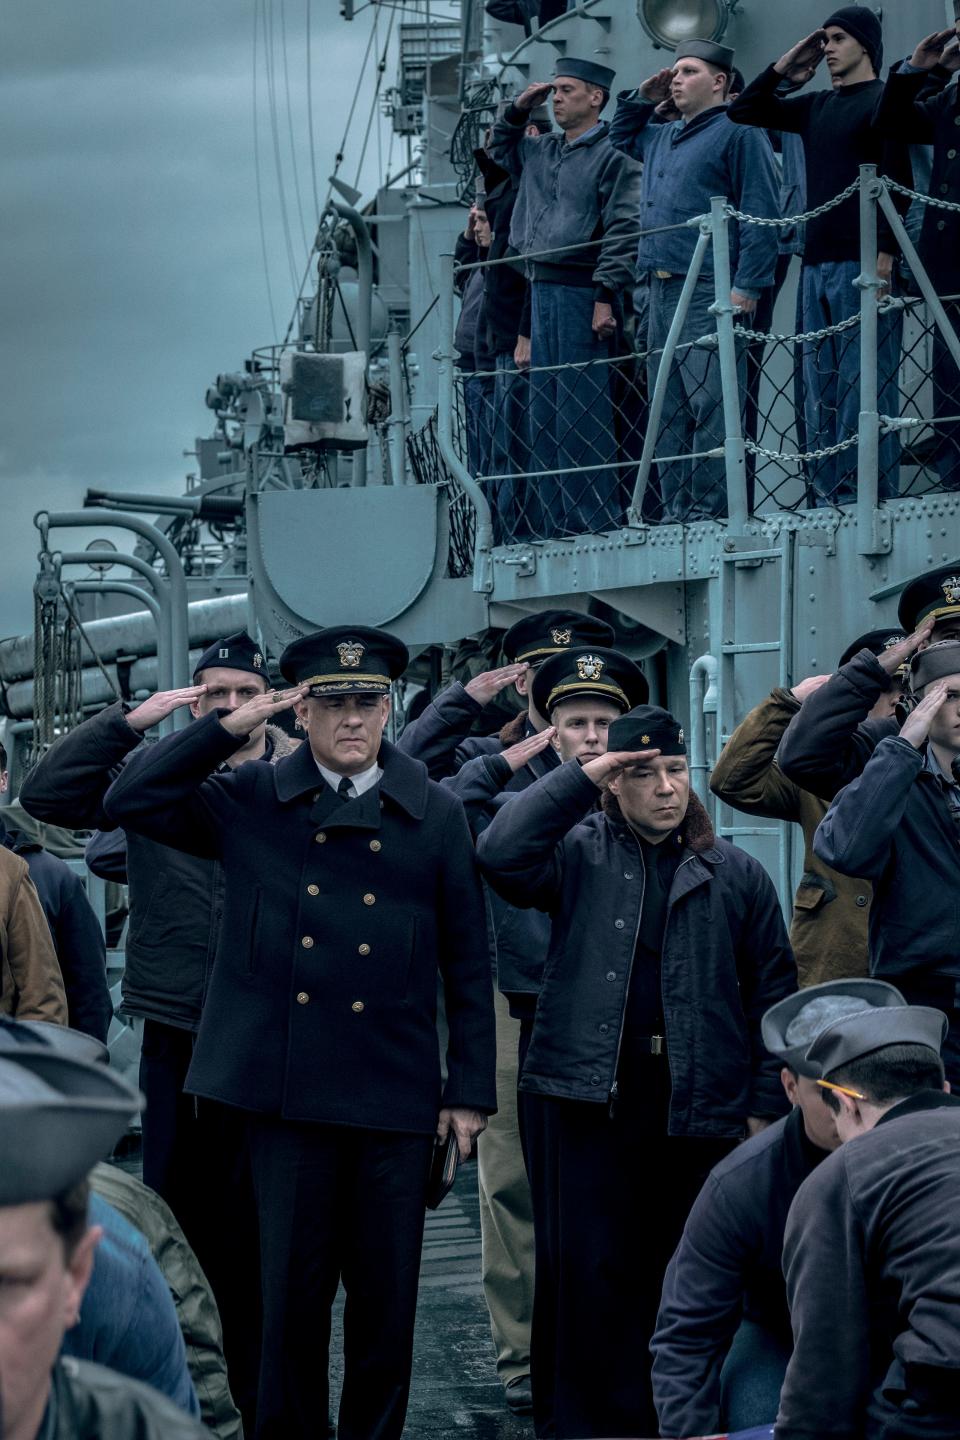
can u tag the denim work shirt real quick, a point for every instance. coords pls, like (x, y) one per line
(686, 163)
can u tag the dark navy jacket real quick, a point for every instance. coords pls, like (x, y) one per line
(923, 108)
(337, 916)
(725, 957)
(176, 900)
(441, 738)
(830, 739)
(892, 825)
(727, 1267)
(685, 165)
(77, 937)
(872, 1262)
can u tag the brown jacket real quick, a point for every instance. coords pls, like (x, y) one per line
(31, 986)
(830, 911)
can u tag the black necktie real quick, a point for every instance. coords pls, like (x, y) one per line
(345, 789)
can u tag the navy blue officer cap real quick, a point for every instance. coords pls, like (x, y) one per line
(647, 727)
(606, 674)
(936, 594)
(536, 636)
(586, 70)
(876, 641)
(235, 652)
(345, 660)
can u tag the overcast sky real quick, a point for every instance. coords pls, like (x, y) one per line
(132, 269)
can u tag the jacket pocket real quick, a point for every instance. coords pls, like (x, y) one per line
(813, 892)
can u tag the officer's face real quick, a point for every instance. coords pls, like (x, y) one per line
(887, 703)
(344, 731)
(948, 629)
(582, 727)
(574, 102)
(40, 1293)
(945, 725)
(654, 796)
(226, 690)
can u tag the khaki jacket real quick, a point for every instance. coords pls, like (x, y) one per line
(830, 911)
(31, 986)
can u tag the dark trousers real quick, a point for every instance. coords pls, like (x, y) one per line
(335, 1204)
(195, 1156)
(942, 994)
(609, 1202)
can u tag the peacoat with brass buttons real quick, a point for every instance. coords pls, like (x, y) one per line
(338, 917)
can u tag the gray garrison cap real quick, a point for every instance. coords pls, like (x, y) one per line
(58, 1118)
(789, 1028)
(586, 70)
(720, 55)
(858, 1035)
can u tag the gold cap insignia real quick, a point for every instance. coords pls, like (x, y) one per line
(951, 590)
(644, 739)
(680, 735)
(257, 659)
(589, 667)
(350, 652)
(560, 637)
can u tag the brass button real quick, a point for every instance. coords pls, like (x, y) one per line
(307, 942)
(320, 837)
(313, 889)
(357, 1006)
(375, 845)
(369, 899)
(363, 949)
(303, 998)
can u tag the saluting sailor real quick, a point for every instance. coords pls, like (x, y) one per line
(350, 881)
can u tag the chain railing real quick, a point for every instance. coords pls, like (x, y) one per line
(728, 417)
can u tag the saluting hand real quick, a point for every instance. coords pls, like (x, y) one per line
(890, 660)
(929, 49)
(800, 63)
(603, 768)
(465, 1124)
(483, 688)
(656, 88)
(534, 95)
(805, 688)
(159, 706)
(517, 755)
(916, 727)
(245, 719)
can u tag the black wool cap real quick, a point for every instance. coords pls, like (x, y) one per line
(605, 674)
(708, 50)
(876, 641)
(647, 727)
(936, 594)
(536, 636)
(236, 652)
(864, 26)
(345, 660)
(585, 70)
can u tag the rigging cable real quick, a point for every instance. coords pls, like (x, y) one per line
(293, 149)
(256, 169)
(381, 67)
(313, 153)
(267, 11)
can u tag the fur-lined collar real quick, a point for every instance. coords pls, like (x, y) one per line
(514, 731)
(698, 834)
(283, 744)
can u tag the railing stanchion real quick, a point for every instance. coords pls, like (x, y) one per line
(868, 421)
(734, 450)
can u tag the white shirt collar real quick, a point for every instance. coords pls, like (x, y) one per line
(361, 783)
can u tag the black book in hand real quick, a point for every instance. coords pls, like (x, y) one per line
(443, 1169)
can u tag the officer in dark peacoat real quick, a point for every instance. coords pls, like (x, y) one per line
(350, 880)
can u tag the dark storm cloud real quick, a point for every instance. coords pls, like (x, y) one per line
(130, 248)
